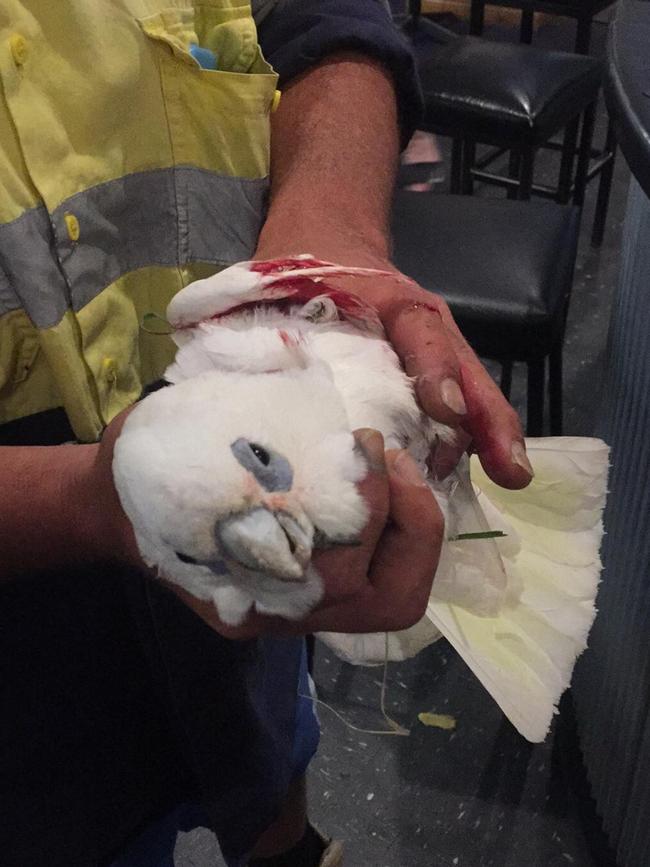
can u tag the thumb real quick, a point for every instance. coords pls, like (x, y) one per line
(374, 487)
(406, 558)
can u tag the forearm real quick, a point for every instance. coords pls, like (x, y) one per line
(47, 514)
(334, 158)
(334, 154)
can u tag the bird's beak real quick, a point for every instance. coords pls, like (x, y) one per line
(274, 543)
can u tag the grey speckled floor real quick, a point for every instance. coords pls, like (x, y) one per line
(476, 796)
(479, 796)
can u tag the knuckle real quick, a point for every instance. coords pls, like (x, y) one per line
(511, 418)
(408, 614)
(402, 613)
(508, 411)
(439, 303)
(427, 521)
(409, 301)
(515, 420)
(500, 406)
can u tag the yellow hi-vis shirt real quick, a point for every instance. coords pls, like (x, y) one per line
(126, 170)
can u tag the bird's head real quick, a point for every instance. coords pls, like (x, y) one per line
(228, 475)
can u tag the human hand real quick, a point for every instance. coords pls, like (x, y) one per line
(452, 385)
(383, 584)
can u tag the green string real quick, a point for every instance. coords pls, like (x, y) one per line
(488, 534)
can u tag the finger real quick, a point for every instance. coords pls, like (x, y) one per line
(407, 556)
(374, 486)
(445, 455)
(496, 430)
(404, 563)
(422, 342)
(344, 569)
(491, 422)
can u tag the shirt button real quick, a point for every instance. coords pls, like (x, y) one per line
(19, 48)
(277, 96)
(109, 369)
(72, 225)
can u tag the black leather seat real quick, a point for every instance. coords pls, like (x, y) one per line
(506, 270)
(501, 92)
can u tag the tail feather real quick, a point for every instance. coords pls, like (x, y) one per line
(524, 652)
(514, 667)
(525, 655)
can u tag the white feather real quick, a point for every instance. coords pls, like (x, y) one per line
(297, 381)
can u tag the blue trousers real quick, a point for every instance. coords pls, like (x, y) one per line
(118, 705)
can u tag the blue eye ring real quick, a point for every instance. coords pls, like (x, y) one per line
(271, 469)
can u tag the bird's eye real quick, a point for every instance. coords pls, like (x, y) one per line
(271, 469)
(261, 454)
(185, 558)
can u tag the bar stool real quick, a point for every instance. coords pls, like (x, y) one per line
(516, 99)
(506, 270)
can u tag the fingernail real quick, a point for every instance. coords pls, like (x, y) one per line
(407, 469)
(520, 458)
(452, 396)
(371, 444)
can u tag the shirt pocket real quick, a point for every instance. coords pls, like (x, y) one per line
(218, 119)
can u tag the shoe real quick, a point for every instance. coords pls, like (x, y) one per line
(333, 854)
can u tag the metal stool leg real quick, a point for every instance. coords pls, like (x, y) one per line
(477, 17)
(555, 389)
(514, 170)
(583, 33)
(506, 378)
(415, 10)
(567, 162)
(535, 413)
(526, 26)
(604, 189)
(526, 173)
(469, 158)
(455, 182)
(584, 154)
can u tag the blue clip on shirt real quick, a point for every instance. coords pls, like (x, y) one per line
(204, 57)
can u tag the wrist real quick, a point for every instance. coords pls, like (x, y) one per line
(83, 491)
(101, 528)
(343, 244)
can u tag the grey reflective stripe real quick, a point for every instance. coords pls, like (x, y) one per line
(163, 217)
(30, 276)
(166, 217)
(8, 298)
